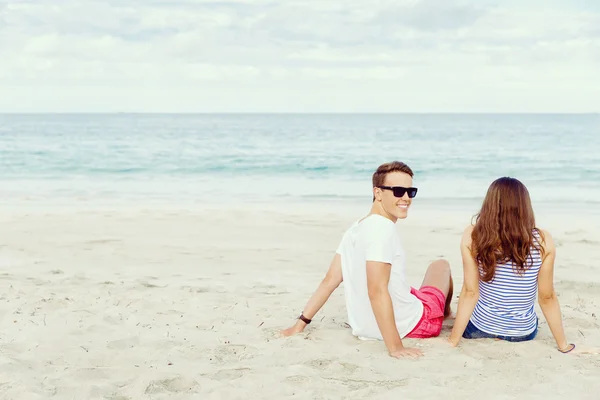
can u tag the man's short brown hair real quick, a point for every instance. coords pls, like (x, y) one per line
(384, 169)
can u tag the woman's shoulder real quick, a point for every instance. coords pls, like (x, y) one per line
(545, 241)
(544, 238)
(467, 235)
(468, 229)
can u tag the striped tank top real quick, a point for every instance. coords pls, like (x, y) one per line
(506, 304)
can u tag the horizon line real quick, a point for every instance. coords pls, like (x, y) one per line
(301, 112)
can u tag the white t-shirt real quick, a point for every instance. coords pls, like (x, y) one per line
(375, 239)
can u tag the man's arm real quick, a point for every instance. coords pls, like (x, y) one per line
(470, 290)
(332, 280)
(378, 278)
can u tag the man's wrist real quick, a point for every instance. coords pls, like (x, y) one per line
(300, 325)
(395, 347)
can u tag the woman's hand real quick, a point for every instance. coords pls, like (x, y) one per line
(572, 349)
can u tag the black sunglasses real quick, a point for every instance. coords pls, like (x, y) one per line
(400, 190)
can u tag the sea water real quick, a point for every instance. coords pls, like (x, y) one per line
(294, 157)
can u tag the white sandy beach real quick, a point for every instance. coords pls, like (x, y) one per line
(168, 302)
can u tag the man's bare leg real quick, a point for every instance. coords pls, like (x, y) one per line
(439, 275)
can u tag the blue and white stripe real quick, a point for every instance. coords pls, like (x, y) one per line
(506, 304)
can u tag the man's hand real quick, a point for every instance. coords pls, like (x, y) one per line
(406, 352)
(297, 328)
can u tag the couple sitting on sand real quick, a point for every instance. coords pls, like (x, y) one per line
(506, 260)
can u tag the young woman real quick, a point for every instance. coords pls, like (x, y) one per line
(507, 259)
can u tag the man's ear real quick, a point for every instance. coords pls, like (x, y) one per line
(376, 194)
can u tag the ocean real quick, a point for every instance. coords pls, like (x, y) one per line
(218, 158)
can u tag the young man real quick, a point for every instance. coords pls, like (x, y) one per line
(370, 260)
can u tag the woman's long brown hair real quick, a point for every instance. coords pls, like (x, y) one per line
(504, 228)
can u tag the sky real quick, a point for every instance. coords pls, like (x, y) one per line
(300, 56)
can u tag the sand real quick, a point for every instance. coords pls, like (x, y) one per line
(186, 302)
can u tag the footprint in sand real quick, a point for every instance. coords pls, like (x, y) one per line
(587, 241)
(173, 385)
(349, 368)
(201, 289)
(102, 241)
(230, 353)
(151, 285)
(298, 379)
(122, 344)
(228, 374)
(319, 364)
(322, 364)
(268, 289)
(575, 232)
(91, 374)
(358, 384)
(37, 281)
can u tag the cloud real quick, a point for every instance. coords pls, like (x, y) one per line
(432, 15)
(274, 55)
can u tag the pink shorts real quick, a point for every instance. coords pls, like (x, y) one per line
(434, 302)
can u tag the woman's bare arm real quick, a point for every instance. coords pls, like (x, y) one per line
(470, 290)
(547, 296)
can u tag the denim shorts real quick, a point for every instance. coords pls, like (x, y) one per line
(472, 332)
